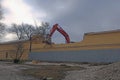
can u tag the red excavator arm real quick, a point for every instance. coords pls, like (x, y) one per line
(58, 28)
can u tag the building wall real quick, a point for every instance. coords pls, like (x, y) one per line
(103, 38)
(94, 41)
(91, 41)
(8, 50)
(95, 47)
(107, 55)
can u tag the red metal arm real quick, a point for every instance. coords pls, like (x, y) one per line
(58, 28)
(53, 30)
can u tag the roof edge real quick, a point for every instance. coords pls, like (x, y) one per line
(103, 32)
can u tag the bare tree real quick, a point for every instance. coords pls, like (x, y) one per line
(25, 32)
(43, 29)
(17, 29)
(30, 30)
(19, 46)
(19, 50)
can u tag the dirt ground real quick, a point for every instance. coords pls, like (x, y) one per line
(59, 71)
(9, 71)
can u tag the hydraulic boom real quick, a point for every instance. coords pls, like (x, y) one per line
(59, 29)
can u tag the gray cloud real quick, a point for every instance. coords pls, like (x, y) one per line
(79, 16)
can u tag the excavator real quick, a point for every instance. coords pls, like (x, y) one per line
(59, 29)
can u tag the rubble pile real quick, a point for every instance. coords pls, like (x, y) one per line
(109, 72)
(99, 72)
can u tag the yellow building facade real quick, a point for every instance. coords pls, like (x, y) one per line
(93, 40)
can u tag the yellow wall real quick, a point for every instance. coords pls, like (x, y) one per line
(7, 50)
(100, 40)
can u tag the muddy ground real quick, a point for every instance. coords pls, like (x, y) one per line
(59, 71)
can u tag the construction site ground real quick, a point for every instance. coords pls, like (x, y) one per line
(59, 71)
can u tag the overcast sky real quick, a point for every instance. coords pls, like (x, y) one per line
(76, 17)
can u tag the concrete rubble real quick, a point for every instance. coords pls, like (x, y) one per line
(106, 72)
